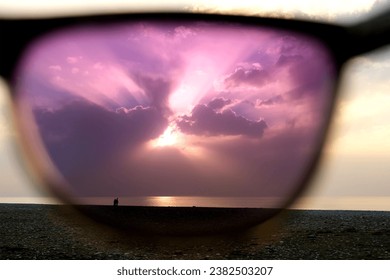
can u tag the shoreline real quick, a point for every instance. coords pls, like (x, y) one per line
(34, 231)
(207, 207)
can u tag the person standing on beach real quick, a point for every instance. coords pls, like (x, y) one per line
(116, 202)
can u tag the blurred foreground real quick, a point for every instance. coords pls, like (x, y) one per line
(55, 232)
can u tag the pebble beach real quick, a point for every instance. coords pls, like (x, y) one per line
(31, 231)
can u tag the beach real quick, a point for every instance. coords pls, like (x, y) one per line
(32, 231)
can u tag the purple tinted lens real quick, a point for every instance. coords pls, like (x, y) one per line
(176, 114)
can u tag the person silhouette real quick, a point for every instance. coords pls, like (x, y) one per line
(116, 202)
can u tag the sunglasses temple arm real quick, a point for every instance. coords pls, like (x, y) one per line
(370, 34)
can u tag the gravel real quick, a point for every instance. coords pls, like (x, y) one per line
(57, 232)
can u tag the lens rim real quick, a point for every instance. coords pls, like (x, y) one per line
(41, 27)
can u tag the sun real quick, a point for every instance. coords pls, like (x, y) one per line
(170, 137)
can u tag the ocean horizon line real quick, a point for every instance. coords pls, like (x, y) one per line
(304, 203)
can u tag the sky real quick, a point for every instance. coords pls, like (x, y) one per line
(237, 89)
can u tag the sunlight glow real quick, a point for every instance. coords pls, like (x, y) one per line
(170, 137)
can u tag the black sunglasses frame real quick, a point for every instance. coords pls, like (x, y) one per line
(343, 43)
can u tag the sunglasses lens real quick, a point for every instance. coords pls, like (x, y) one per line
(175, 113)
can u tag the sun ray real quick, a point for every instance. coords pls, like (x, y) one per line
(170, 137)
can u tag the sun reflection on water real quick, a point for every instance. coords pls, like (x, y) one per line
(162, 200)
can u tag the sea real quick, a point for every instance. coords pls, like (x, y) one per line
(374, 203)
(189, 201)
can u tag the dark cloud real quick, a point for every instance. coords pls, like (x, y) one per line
(206, 121)
(157, 89)
(82, 136)
(253, 76)
(218, 103)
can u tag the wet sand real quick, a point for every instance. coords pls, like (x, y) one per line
(58, 232)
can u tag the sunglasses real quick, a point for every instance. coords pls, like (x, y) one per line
(221, 117)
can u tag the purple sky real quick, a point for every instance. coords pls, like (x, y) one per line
(176, 108)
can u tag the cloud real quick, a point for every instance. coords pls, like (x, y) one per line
(157, 89)
(73, 59)
(184, 32)
(84, 136)
(252, 76)
(55, 67)
(98, 66)
(75, 70)
(218, 103)
(206, 121)
(278, 99)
